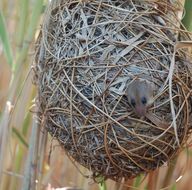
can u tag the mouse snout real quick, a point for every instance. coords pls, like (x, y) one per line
(140, 111)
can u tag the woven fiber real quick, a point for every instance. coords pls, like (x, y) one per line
(87, 55)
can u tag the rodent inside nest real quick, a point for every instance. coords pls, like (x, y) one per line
(112, 88)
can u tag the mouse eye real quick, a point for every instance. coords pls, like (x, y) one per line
(133, 103)
(143, 100)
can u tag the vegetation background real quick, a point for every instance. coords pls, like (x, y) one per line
(22, 142)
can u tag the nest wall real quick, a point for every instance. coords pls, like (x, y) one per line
(87, 53)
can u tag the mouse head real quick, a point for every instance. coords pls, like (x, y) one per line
(140, 95)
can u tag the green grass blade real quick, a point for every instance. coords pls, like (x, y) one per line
(23, 17)
(187, 20)
(102, 186)
(20, 137)
(138, 180)
(30, 171)
(5, 41)
(174, 187)
(102, 183)
(33, 21)
(169, 174)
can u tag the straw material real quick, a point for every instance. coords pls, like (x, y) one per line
(87, 54)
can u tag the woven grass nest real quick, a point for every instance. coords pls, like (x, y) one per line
(87, 55)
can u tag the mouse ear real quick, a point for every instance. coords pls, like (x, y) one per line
(129, 86)
(152, 86)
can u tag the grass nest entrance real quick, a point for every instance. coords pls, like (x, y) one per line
(87, 54)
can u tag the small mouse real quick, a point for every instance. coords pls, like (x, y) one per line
(140, 95)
